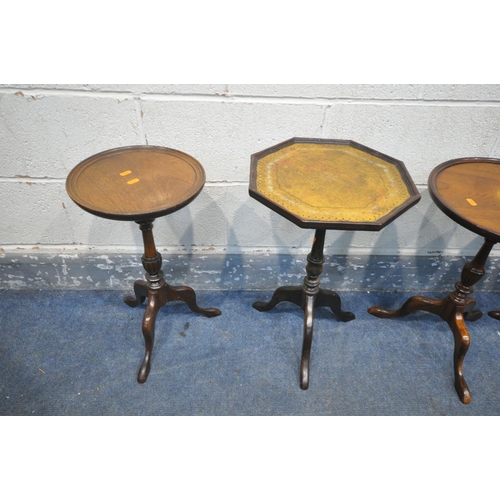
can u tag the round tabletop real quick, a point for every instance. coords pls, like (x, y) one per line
(135, 182)
(468, 191)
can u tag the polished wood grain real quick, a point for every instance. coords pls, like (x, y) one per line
(468, 191)
(135, 182)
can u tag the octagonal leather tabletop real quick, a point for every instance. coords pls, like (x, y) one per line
(327, 183)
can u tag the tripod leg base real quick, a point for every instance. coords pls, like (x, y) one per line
(454, 315)
(157, 298)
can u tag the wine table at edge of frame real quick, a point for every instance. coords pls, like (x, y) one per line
(468, 191)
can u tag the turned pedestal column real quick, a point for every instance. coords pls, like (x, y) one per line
(307, 297)
(158, 293)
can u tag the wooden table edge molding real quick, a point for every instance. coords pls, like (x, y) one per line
(73, 177)
(445, 208)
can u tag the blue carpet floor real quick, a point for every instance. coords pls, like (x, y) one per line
(78, 352)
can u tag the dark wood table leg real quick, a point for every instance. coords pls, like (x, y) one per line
(454, 309)
(188, 295)
(158, 293)
(156, 300)
(291, 294)
(494, 314)
(308, 297)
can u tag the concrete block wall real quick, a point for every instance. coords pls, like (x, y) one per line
(45, 130)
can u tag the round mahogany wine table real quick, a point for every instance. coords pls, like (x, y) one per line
(141, 183)
(468, 191)
(327, 184)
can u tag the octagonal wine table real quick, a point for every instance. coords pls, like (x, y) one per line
(468, 191)
(141, 183)
(327, 184)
